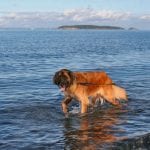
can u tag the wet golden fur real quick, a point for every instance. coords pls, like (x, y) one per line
(82, 85)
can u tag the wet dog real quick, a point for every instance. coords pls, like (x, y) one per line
(82, 85)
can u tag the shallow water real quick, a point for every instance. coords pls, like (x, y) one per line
(30, 111)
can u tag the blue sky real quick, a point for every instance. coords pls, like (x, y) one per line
(136, 6)
(51, 13)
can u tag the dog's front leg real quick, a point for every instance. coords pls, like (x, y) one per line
(83, 108)
(65, 103)
(84, 105)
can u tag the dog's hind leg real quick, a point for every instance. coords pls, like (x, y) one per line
(114, 102)
(97, 99)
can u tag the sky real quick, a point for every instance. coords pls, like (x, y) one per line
(53, 13)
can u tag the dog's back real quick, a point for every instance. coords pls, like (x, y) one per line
(93, 77)
(100, 83)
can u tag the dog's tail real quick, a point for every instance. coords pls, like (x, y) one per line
(119, 93)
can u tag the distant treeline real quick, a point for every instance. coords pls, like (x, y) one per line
(76, 27)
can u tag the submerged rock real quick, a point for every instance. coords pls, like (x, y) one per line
(139, 142)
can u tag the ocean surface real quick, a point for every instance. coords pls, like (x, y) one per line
(30, 104)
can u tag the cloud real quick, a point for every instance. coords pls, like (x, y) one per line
(80, 15)
(73, 16)
(145, 17)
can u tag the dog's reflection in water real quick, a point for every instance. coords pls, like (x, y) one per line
(92, 132)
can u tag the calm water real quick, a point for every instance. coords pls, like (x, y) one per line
(30, 111)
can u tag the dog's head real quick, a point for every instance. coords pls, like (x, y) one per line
(64, 79)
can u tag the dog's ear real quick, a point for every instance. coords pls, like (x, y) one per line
(71, 75)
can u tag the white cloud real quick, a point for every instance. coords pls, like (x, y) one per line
(90, 14)
(145, 17)
(73, 16)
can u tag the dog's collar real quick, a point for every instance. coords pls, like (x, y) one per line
(93, 84)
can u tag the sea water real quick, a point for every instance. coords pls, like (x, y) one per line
(30, 104)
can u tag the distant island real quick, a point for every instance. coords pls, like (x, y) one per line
(78, 27)
(132, 28)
